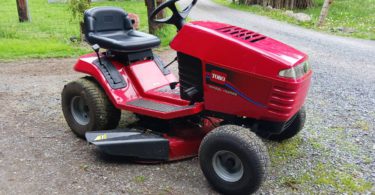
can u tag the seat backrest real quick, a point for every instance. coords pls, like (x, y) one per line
(102, 19)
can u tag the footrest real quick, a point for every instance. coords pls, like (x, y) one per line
(162, 110)
(157, 106)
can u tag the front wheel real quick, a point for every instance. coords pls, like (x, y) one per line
(234, 160)
(86, 107)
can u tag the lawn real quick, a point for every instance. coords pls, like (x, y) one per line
(52, 25)
(358, 15)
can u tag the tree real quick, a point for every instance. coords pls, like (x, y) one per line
(289, 4)
(23, 11)
(78, 7)
(324, 12)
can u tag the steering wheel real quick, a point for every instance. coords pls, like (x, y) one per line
(177, 18)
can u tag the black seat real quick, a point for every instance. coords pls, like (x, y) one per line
(110, 28)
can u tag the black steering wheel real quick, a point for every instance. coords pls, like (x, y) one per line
(177, 18)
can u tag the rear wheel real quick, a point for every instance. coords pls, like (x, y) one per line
(294, 127)
(86, 107)
(233, 159)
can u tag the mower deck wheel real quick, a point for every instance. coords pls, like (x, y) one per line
(86, 107)
(233, 159)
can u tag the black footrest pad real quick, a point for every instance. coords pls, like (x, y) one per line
(111, 74)
(143, 103)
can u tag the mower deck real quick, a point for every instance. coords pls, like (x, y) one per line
(182, 141)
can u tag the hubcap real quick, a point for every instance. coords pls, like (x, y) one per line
(227, 166)
(80, 110)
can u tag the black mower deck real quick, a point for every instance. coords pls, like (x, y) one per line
(130, 143)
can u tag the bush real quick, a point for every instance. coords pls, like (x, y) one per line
(78, 7)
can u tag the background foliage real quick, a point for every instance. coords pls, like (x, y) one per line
(359, 16)
(52, 26)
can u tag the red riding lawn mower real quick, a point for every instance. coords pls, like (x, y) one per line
(234, 85)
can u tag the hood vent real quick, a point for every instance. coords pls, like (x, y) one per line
(242, 34)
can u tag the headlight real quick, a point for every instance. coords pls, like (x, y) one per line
(296, 71)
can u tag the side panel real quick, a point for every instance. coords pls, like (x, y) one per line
(235, 93)
(148, 75)
(242, 94)
(152, 83)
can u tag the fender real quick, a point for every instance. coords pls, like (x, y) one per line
(129, 96)
(119, 96)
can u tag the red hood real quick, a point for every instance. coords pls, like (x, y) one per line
(264, 45)
(236, 48)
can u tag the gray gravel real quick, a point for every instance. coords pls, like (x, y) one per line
(39, 154)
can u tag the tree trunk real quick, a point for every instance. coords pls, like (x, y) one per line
(82, 31)
(150, 4)
(324, 12)
(152, 27)
(23, 12)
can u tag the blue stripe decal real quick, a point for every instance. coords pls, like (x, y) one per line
(244, 96)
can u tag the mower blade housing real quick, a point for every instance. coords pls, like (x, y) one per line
(130, 143)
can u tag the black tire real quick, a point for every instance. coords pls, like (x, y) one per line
(234, 160)
(294, 128)
(86, 107)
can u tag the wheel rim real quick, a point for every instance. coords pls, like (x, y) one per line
(227, 166)
(80, 110)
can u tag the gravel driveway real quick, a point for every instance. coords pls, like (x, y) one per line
(335, 152)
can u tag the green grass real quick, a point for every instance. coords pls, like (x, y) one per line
(362, 125)
(140, 179)
(321, 173)
(359, 15)
(286, 150)
(168, 32)
(342, 179)
(47, 35)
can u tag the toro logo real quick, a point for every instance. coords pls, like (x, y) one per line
(218, 77)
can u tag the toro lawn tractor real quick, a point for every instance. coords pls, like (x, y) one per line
(233, 86)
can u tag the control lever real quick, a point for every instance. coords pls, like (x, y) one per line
(96, 48)
(170, 62)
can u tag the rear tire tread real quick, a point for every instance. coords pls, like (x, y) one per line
(106, 116)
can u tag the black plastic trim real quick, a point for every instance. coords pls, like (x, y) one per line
(111, 74)
(191, 77)
(130, 57)
(137, 56)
